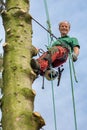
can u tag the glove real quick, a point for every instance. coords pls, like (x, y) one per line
(53, 50)
(74, 57)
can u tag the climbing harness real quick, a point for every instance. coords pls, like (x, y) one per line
(47, 73)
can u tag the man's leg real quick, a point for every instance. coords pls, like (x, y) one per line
(60, 57)
(51, 57)
(41, 64)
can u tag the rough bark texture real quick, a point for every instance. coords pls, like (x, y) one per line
(1, 63)
(18, 96)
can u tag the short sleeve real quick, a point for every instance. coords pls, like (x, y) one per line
(75, 42)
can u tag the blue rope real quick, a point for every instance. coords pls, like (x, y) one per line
(74, 70)
(54, 105)
(49, 45)
(73, 99)
(48, 24)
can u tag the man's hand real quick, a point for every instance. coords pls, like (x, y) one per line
(74, 57)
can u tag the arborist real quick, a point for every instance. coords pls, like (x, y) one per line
(58, 53)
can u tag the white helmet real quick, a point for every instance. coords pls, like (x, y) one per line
(51, 74)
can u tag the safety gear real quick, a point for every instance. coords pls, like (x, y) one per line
(51, 74)
(74, 57)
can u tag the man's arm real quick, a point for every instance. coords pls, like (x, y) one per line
(75, 53)
(76, 50)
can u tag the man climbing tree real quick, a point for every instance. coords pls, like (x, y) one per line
(17, 103)
(58, 53)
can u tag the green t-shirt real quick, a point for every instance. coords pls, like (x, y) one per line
(71, 41)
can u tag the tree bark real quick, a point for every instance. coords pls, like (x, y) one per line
(18, 95)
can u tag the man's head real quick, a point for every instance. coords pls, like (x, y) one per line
(64, 28)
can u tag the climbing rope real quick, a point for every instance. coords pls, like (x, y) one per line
(55, 122)
(50, 38)
(48, 23)
(51, 34)
(74, 70)
(71, 66)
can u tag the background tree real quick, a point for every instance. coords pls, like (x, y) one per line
(18, 95)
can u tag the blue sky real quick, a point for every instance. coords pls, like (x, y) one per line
(75, 12)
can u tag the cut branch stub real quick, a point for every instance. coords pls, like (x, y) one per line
(38, 120)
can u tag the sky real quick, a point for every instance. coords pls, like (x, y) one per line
(75, 12)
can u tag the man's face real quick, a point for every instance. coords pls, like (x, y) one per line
(64, 28)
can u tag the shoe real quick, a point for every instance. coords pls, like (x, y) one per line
(35, 66)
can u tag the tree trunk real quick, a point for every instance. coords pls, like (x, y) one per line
(18, 95)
